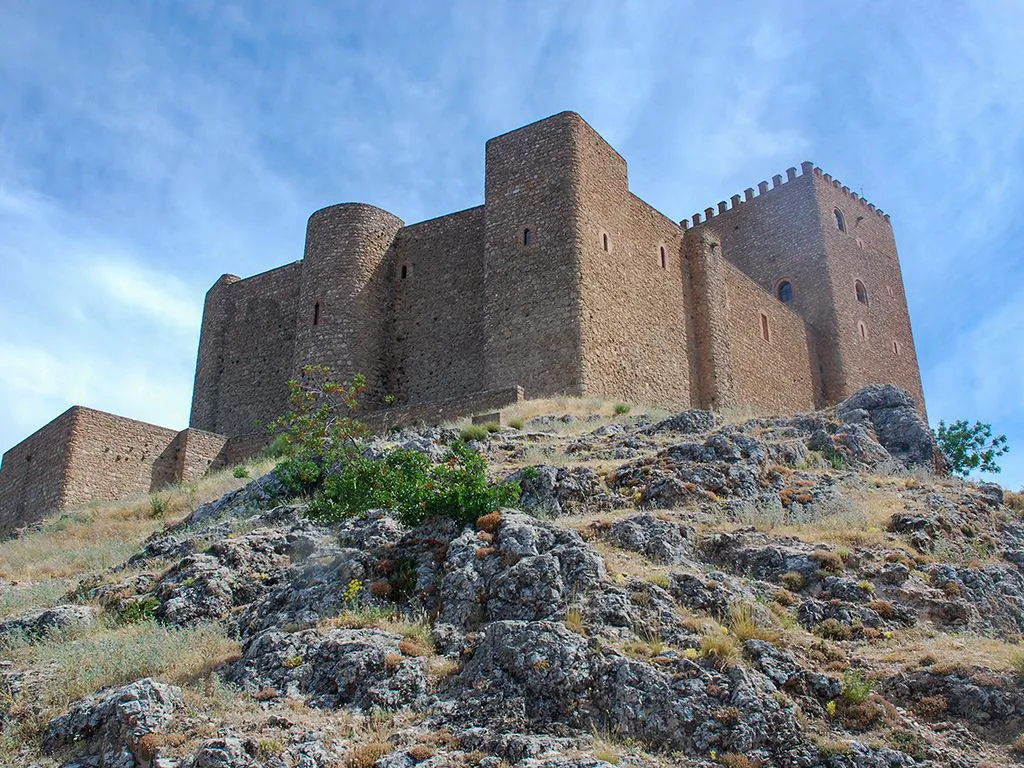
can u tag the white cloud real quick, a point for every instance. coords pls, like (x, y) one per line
(982, 368)
(159, 296)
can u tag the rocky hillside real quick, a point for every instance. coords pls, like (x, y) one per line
(802, 591)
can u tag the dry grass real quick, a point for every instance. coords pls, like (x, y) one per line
(110, 656)
(744, 625)
(25, 598)
(101, 535)
(721, 649)
(580, 408)
(909, 646)
(865, 524)
(622, 564)
(1014, 500)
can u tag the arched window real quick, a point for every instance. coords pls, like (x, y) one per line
(604, 240)
(765, 330)
(661, 249)
(405, 271)
(316, 313)
(785, 291)
(862, 292)
(863, 330)
(527, 237)
(840, 221)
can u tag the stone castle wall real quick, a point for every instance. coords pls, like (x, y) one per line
(532, 284)
(33, 473)
(883, 350)
(246, 350)
(434, 345)
(634, 330)
(770, 375)
(110, 457)
(562, 282)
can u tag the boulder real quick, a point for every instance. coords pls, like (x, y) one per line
(105, 730)
(61, 619)
(900, 429)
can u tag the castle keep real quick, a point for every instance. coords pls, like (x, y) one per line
(782, 299)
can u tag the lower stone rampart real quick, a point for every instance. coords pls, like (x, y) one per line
(86, 455)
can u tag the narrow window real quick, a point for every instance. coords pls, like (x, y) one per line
(527, 237)
(662, 250)
(785, 291)
(890, 291)
(840, 221)
(863, 330)
(895, 347)
(765, 333)
(604, 240)
(862, 292)
(405, 271)
(316, 313)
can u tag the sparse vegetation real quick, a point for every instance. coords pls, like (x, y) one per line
(721, 648)
(621, 409)
(744, 625)
(856, 686)
(477, 432)
(794, 581)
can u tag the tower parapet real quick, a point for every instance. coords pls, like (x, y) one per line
(806, 168)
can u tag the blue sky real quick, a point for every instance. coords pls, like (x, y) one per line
(148, 147)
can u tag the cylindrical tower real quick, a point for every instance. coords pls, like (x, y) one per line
(342, 303)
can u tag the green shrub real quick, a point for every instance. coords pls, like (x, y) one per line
(621, 409)
(240, 471)
(476, 432)
(157, 505)
(836, 460)
(414, 488)
(516, 423)
(136, 611)
(319, 431)
(277, 449)
(856, 687)
(492, 426)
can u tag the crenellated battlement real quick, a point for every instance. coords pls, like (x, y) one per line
(806, 168)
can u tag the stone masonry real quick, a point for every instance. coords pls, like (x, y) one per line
(783, 299)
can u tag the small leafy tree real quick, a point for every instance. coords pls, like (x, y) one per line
(323, 441)
(970, 447)
(319, 430)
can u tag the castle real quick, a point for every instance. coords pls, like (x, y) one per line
(784, 299)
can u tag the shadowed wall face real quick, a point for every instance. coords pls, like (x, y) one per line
(81, 456)
(246, 351)
(434, 343)
(33, 474)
